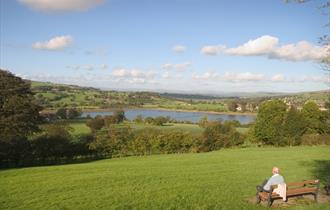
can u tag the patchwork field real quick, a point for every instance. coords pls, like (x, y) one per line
(225, 179)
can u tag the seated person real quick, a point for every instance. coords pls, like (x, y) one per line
(274, 180)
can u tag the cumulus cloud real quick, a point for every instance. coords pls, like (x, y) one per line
(205, 76)
(269, 46)
(246, 76)
(278, 78)
(260, 46)
(61, 5)
(88, 67)
(299, 52)
(56, 43)
(177, 67)
(104, 66)
(212, 49)
(133, 73)
(73, 67)
(229, 77)
(98, 52)
(179, 48)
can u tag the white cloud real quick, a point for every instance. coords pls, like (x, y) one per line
(205, 76)
(239, 77)
(166, 75)
(212, 49)
(137, 81)
(104, 66)
(179, 48)
(269, 46)
(61, 5)
(56, 43)
(278, 78)
(177, 67)
(133, 73)
(229, 77)
(260, 46)
(299, 52)
(73, 67)
(88, 67)
(98, 52)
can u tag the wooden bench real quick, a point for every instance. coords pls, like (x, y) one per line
(293, 189)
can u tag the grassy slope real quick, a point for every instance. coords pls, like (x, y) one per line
(222, 179)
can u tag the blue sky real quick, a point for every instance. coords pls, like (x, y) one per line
(200, 46)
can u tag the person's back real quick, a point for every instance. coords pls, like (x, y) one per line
(274, 180)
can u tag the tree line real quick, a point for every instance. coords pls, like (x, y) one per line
(25, 138)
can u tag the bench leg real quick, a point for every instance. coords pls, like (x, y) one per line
(258, 199)
(270, 202)
(315, 197)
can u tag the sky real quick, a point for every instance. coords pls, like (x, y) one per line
(195, 46)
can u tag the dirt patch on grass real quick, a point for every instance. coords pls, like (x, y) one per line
(294, 201)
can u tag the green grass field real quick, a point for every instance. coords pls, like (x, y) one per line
(223, 179)
(80, 127)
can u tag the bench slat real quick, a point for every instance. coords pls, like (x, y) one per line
(301, 184)
(299, 191)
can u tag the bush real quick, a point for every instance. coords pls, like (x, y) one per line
(219, 135)
(95, 124)
(315, 139)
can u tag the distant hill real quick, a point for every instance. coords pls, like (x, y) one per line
(52, 95)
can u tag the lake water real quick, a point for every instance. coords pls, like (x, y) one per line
(191, 116)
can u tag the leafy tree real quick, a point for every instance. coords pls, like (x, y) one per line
(232, 106)
(109, 120)
(73, 113)
(203, 121)
(315, 119)
(160, 121)
(294, 127)
(269, 123)
(149, 120)
(113, 142)
(54, 143)
(218, 135)
(119, 115)
(62, 113)
(95, 124)
(19, 117)
(138, 119)
(19, 114)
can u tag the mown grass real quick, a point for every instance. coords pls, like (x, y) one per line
(217, 180)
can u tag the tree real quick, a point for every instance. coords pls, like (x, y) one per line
(218, 135)
(119, 115)
(73, 113)
(54, 143)
(62, 113)
(95, 124)
(294, 127)
(19, 114)
(232, 106)
(315, 119)
(138, 119)
(203, 121)
(269, 122)
(160, 121)
(19, 117)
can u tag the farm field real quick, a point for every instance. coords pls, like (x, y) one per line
(80, 127)
(223, 179)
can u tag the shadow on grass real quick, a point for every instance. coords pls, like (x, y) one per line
(320, 169)
(7, 166)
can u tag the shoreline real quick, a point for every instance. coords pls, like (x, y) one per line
(173, 110)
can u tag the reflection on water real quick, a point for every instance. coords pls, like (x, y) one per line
(191, 116)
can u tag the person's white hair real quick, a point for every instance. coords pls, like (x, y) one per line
(276, 170)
